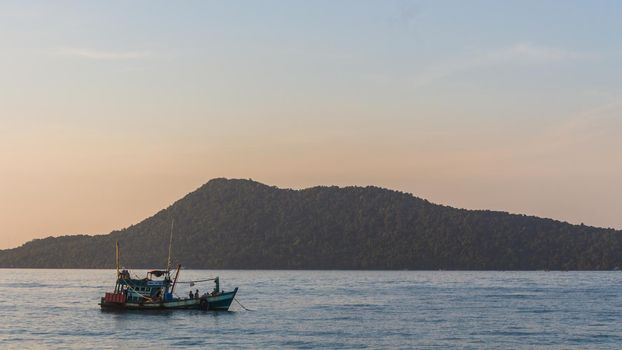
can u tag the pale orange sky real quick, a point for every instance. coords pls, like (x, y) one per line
(107, 115)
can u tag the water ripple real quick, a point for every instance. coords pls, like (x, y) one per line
(50, 309)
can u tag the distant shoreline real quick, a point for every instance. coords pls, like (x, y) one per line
(306, 270)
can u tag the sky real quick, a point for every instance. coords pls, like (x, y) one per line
(111, 111)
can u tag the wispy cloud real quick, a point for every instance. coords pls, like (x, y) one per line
(525, 53)
(529, 52)
(594, 131)
(592, 123)
(406, 14)
(102, 55)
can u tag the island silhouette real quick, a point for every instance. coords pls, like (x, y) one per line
(243, 224)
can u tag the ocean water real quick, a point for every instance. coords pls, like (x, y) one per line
(57, 309)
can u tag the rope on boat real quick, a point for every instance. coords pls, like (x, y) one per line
(197, 281)
(151, 299)
(236, 300)
(135, 291)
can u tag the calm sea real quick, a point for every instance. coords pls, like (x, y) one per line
(57, 309)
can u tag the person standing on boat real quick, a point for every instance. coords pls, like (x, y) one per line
(216, 287)
(190, 295)
(196, 294)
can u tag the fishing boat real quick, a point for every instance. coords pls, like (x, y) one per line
(156, 291)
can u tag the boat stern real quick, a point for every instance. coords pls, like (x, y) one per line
(112, 300)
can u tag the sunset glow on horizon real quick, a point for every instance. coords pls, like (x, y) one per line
(112, 111)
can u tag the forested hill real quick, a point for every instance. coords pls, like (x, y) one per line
(247, 225)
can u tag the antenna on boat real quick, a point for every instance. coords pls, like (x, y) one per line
(170, 246)
(117, 258)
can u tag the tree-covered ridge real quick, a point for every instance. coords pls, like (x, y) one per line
(248, 225)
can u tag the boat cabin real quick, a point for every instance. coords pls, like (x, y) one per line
(155, 287)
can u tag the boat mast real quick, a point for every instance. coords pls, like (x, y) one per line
(170, 246)
(117, 258)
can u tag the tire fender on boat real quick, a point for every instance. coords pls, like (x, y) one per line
(203, 305)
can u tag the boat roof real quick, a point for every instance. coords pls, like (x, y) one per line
(158, 273)
(144, 282)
